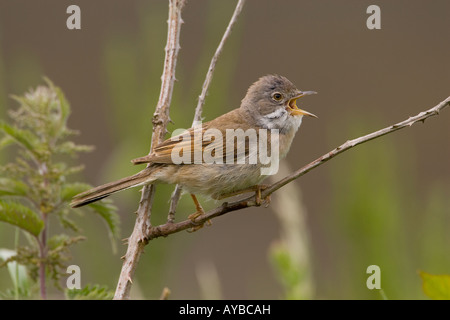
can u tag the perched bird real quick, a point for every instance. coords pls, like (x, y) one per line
(222, 157)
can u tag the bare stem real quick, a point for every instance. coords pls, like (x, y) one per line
(160, 120)
(42, 241)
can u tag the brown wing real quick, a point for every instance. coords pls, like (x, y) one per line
(211, 141)
(183, 144)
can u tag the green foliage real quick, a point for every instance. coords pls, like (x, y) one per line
(380, 215)
(19, 277)
(90, 292)
(11, 187)
(108, 212)
(35, 185)
(22, 216)
(437, 287)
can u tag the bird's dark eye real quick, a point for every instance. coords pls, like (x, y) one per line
(277, 96)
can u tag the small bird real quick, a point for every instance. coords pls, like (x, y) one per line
(270, 104)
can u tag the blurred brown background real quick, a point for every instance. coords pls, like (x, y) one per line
(384, 203)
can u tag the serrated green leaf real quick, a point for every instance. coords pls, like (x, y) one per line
(57, 240)
(12, 187)
(73, 170)
(21, 216)
(109, 214)
(69, 190)
(437, 287)
(24, 137)
(71, 148)
(90, 292)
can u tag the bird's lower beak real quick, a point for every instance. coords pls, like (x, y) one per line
(296, 111)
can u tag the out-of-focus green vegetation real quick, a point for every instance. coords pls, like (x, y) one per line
(379, 215)
(437, 287)
(35, 187)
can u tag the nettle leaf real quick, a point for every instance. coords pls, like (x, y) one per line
(109, 214)
(437, 287)
(24, 137)
(70, 148)
(21, 216)
(6, 141)
(69, 190)
(12, 187)
(90, 292)
(60, 241)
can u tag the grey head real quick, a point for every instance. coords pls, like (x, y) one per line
(271, 103)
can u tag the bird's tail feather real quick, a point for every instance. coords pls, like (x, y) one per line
(141, 178)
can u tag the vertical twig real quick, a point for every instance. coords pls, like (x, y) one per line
(136, 242)
(201, 99)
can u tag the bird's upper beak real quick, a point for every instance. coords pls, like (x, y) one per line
(292, 105)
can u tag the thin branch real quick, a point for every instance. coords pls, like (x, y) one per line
(201, 99)
(160, 121)
(174, 199)
(167, 229)
(212, 66)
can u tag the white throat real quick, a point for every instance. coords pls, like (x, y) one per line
(280, 119)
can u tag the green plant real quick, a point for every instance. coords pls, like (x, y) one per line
(436, 287)
(35, 186)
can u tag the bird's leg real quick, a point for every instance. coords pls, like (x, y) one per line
(197, 214)
(198, 207)
(257, 189)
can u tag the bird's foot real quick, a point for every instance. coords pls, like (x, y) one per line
(197, 214)
(198, 226)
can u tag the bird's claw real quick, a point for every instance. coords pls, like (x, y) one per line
(197, 225)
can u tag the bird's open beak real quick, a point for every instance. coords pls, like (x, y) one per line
(296, 111)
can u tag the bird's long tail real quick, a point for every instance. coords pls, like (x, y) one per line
(141, 178)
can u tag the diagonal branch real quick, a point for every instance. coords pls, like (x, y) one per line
(169, 228)
(160, 121)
